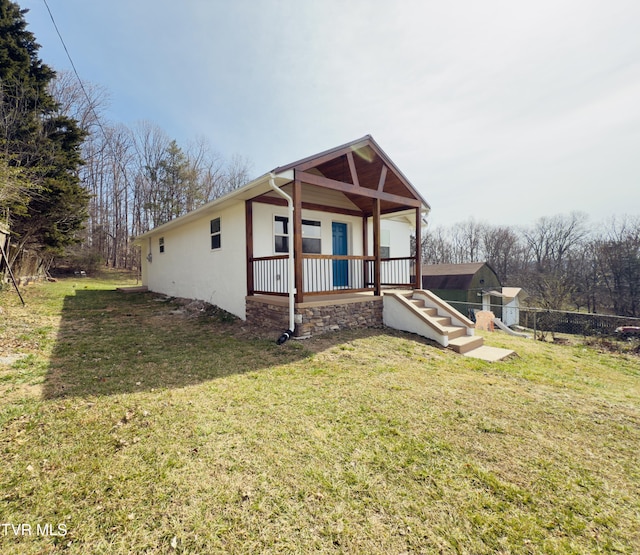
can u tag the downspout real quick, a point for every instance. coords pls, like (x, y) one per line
(292, 279)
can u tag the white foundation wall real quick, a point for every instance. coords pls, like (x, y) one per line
(190, 268)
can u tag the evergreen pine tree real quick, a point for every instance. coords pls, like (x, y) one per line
(37, 139)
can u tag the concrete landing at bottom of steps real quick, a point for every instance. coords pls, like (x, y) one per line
(490, 354)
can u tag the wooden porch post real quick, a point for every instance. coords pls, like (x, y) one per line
(376, 246)
(248, 215)
(297, 238)
(365, 249)
(418, 284)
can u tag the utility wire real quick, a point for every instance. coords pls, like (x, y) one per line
(86, 95)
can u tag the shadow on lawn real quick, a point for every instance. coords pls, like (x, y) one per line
(111, 343)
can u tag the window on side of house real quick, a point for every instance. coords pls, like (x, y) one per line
(161, 244)
(216, 233)
(311, 236)
(281, 234)
(385, 243)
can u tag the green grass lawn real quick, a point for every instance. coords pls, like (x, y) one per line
(128, 425)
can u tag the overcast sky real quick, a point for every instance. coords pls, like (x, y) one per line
(504, 111)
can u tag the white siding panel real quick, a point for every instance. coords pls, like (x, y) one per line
(189, 268)
(399, 237)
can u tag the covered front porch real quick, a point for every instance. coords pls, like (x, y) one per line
(353, 232)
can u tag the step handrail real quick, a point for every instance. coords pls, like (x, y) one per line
(421, 315)
(445, 307)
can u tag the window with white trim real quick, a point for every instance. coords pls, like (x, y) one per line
(281, 234)
(161, 244)
(216, 233)
(385, 243)
(311, 235)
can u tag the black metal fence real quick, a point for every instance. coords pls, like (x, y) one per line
(575, 323)
(556, 321)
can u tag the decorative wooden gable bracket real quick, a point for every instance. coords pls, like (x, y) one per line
(351, 180)
(354, 173)
(383, 178)
(352, 169)
(349, 188)
(312, 162)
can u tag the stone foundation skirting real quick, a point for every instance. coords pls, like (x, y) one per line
(314, 318)
(268, 316)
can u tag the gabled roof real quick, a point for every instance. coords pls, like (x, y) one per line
(363, 165)
(360, 169)
(450, 276)
(258, 186)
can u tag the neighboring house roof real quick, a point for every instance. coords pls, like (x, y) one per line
(511, 293)
(450, 276)
(507, 293)
(357, 169)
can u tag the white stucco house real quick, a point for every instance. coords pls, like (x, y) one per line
(354, 213)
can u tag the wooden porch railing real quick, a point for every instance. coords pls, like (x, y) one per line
(398, 272)
(324, 274)
(270, 275)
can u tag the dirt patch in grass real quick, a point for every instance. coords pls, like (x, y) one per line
(614, 345)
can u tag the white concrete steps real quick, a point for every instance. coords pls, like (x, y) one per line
(424, 313)
(455, 332)
(465, 344)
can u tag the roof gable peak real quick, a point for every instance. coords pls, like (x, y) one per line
(360, 163)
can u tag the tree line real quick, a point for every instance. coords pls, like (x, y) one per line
(137, 176)
(73, 184)
(41, 197)
(563, 261)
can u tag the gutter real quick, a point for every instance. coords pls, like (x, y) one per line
(292, 281)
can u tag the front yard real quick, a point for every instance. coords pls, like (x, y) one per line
(131, 425)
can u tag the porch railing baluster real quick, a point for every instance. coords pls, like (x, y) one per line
(351, 273)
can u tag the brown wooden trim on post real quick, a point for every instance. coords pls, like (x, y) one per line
(297, 238)
(248, 218)
(418, 248)
(365, 247)
(376, 246)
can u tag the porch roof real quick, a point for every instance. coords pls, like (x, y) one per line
(361, 171)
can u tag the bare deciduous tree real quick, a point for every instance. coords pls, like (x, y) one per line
(619, 261)
(84, 102)
(501, 248)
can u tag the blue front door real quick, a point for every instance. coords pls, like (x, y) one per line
(340, 247)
